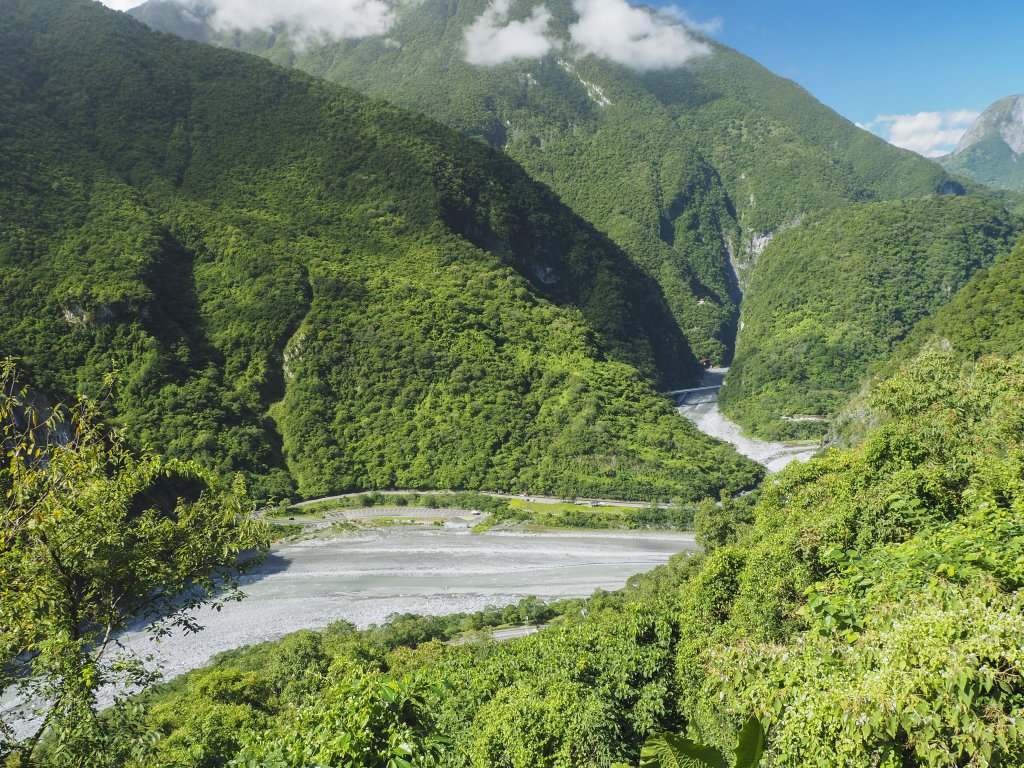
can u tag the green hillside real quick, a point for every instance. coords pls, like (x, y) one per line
(685, 169)
(985, 317)
(840, 291)
(274, 275)
(323, 291)
(870, 616)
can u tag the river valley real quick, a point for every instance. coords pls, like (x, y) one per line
(700, 405)
(366, 577)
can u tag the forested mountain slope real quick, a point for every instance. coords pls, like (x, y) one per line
(684, 168)
(869, 614)
(986, 317)
(294, 281)
(992, 151)
(840, 291)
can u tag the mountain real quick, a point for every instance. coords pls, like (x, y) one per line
(986, 317)
(689, 169)
(992, 150)
(869, 613)
(837, 293)
(275, 275)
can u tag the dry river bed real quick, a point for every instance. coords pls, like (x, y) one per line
(368, 576)
(700, 406)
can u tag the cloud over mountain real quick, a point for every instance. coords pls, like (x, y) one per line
(312, 18)
(493, 39)
(306, 19)
(634, 37)
(928, 133)
(638, 38)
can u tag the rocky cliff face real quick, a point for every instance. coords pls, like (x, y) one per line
(992, 151)
(1004, 119)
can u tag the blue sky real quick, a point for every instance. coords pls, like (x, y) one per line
(916, 73)
(920, 62)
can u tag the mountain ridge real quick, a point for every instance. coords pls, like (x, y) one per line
(688, 170)
(992, 149)
(810, 337)
(1006, 117)
(325, 291)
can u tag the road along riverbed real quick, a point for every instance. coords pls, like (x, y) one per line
(700, 405)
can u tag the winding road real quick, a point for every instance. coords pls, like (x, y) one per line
(523, 497)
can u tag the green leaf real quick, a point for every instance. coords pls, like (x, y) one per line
(667, 750)
(750, 744)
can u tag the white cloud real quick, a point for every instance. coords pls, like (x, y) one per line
(709, 27)
(928, 133)
(634, 37)
(308, 18)
(492, 39)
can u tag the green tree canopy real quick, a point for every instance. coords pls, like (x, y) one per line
(95, 537)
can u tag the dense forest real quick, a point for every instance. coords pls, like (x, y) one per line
(245, 284)
(990, 161)
(284, 278)
(839, 292)
(985, 317)
(686, 170)
(866, 610)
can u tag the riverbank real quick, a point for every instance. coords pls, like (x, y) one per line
(368, 576)
(702, 409)
(482, 510)
(533, 498)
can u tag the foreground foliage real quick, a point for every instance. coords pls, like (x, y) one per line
(874, 613)
(93, 539)
(869, 613)
(667, 750)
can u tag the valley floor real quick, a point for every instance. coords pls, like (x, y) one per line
(368, 576)
(700, 405)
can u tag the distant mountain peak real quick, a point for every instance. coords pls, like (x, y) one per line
(1004, 119)
(992, 151)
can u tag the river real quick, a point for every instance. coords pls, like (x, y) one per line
(365, 578)
(700, 405)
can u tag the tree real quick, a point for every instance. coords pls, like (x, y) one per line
(666, 750)
(716, 525)
(92, 538)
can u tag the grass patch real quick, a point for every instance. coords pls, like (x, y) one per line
(500, 511)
